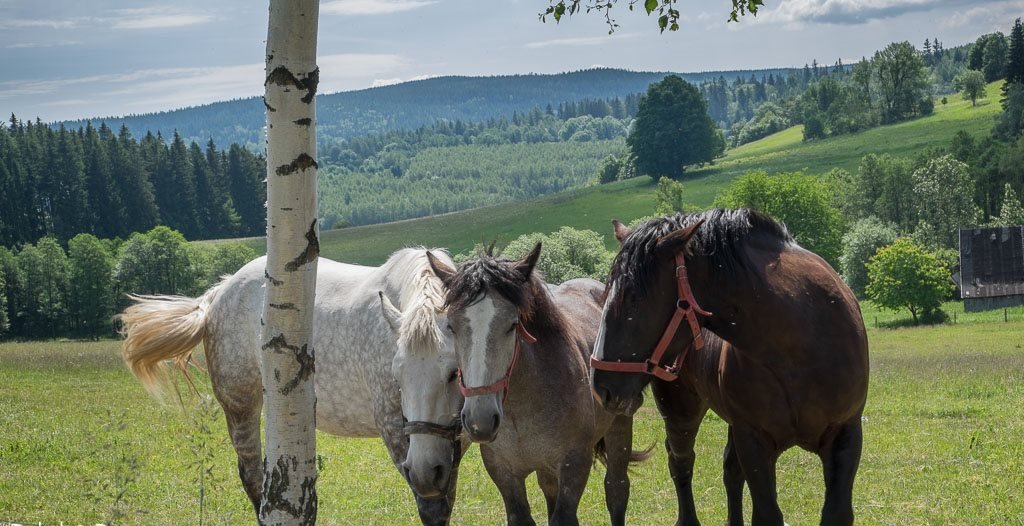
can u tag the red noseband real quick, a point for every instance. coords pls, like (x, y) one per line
(686, 307)
(502, 383)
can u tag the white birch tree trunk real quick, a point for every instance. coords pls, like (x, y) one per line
(289, 401)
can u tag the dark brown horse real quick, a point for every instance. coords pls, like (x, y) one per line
(522, 348)
(790, 367)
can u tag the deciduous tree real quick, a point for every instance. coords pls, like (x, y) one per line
(91, 299)
(860, 243)
(800, 201)
(944, 201)
(906, 275)
(293, 246)
(970, 84)
(673, 129)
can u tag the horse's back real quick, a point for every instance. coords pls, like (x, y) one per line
(580, 301)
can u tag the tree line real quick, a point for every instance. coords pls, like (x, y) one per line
(47, 291)
(62, 182)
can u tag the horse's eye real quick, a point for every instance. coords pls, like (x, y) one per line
(513, 327)
(453, 376)
(450, 329)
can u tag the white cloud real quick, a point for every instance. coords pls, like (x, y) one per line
(580, 41)
(35, 45)
(994, 16)
(139, 18)
(371, 7)
(846, 12)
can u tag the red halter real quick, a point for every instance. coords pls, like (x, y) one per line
(686, 307)
(501, 384)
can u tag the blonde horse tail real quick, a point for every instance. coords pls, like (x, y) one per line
(158, 329)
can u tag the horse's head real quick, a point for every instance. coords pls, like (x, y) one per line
(424, 367)
(642, 298)
(486, 301)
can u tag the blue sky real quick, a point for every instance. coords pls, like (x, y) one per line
(65, 59)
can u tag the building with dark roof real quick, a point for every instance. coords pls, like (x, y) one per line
(992, 267)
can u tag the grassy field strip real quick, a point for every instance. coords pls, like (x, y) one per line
(943, 427)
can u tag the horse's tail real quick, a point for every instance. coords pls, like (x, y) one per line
(635, 457)
(161, 328)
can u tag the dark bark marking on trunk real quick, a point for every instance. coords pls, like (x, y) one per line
(307, 366)
(304, 122)
(282, 76)
(310, 83)
(283, 306)
(302, 162)
(275, 282)
(267, 105)
(311, 252)
(287, 209)
(279, 344)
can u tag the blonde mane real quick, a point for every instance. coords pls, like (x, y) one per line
(422, 295)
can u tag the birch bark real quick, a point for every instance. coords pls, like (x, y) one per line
(289, 400)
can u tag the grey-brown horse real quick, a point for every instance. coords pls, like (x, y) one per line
(522, 349)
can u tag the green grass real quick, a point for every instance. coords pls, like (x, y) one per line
(942, 445)
(593, 207)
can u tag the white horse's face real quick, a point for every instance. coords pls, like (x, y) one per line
(426, 375)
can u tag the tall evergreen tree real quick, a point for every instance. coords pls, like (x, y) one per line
(247, 190)
(135, 191)
(104, 203)
(66, 203)
(182, 179)
(1015, 61)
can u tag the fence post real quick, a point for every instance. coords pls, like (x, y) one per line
(1005, 318)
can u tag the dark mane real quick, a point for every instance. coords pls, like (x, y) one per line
(498, 274)
(720, 238)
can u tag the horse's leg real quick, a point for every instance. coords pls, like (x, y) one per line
(840, 458)
(758, 456)
(549, 486)
(618, 444)
(732, 476)
(683, 411)
(244, 428)
(572, 481)
(512, 488)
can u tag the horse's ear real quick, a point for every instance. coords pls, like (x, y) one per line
(391, 313)
(489, 251)
(676, 241)
(525, 266)
(621, 231)
(440, 268)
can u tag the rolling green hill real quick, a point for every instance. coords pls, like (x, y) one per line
(593, 207)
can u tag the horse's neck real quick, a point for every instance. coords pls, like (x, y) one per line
(545, 318)
(744, 307)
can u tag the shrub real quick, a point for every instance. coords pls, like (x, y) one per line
(862, 241)
(568, 253)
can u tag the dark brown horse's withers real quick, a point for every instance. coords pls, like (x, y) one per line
(790, 367)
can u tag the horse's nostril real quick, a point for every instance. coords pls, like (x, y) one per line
(439, 476)
(497, 420)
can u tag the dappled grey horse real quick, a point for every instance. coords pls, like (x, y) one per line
(359, 337)
(522, 348)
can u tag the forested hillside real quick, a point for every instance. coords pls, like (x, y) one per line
(408, 105)
(62, 182)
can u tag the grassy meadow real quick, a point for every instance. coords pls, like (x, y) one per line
(943, 425)
(593, 207)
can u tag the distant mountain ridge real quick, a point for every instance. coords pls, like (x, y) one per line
(407, 105)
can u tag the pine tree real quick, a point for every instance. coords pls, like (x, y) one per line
(1015, 63)
(105, 205)
(181, 179)
(63, 183)
(135, 191)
